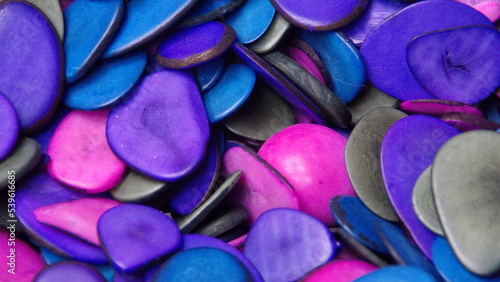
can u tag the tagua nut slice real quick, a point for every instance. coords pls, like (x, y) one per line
(459, 64)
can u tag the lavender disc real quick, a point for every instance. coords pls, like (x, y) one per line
(134, 235)
(69, 271)
(384, 48)
(408, 148)
(31, 63)
(457, 64)
(291, 241)
(162, 129)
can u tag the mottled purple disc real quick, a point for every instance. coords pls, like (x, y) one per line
(384, 48)
(190, 241)
(376, 12)
(41, 190)
(197, 187)
(435, 107)
(162, 129)
(31, 63)
(320, 15)
(408, 148)
(9, 127)
(457, 64)
(466, 122)
(195, 45)
(135, 235)
(280, 84)
(69, 271)
(285, 244)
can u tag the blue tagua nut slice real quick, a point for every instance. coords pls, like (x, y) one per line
(209, 10)
(251, 20)
(202, 264)
(341, 59)
(207, 74)
(162, 129)
(398, 273)
(27, 38)
(83, 51)
(144, 20)
(230, 92)
(107, 82)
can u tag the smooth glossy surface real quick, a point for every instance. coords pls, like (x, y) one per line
(341, 59)
(408, 148)
(384, 49)
(195, 45)
(106, 83)
(362, 157)
(251, 20)
(83, 51)
(311, 158)
(230, 92)
(137, 134)
(143, 20)
(34, 92)
(320, 15)
(290, 240)
(134, 235)
(471, 157)
(424, 203)
(451, 65)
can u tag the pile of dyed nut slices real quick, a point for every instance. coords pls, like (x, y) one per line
(249, 140)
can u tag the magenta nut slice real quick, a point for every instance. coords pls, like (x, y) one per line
(162, 129)
(133, 236)
(457, 64)
(31, 63)
(285, 244)
(384, 48)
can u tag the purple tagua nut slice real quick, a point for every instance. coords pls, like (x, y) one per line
(133, 236)
(195, 45)
(318, 14)
(162, 129)
(31, 64)
(458, 64)
(384, 48)
(9, 127)
(285, 244)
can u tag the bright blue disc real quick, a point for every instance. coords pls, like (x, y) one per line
(230, 92)
(107, 82)
(449, 267)
(202, 264)
(209, 73)
(341, 59)
(90, 26)
(397, 273)
(251, 20)
(355, 218)
(143, 20)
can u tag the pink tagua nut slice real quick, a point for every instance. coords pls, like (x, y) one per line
(79, 153)
(343, 271)
(260, 187)
(311, 158)
(21, 265)
(78, 217)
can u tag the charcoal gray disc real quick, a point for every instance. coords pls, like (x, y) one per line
(368, 99)
(362, 157)
(272, 37)
(466, 185)
(424, 204)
